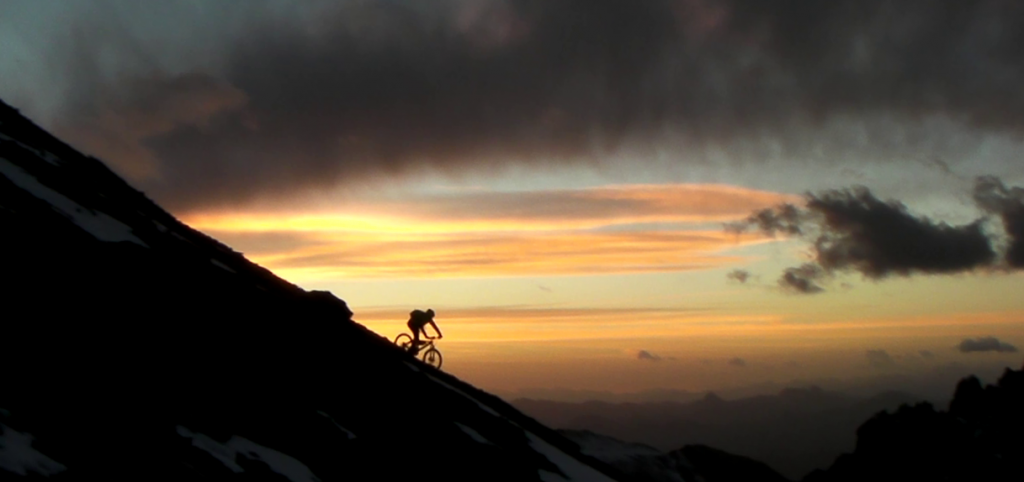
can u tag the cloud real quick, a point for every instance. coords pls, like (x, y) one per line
(388, 87)
(738, 362)
(739, 275)
(852, 230)
(802, 279)
(879, 359)
(784, 218)
(880, 239)
(1008, 203)
(548, 209)
(988, 343)
(603, 205)
(491, 234)
(332, 255)
(647, 356)
(926, 354)
(117, 123)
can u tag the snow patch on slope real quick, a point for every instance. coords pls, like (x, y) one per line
(228, 453)
(473, 434)
(575, 470)
(45, 155)
(222, 266)
(18, 456)
(609, 449)
(100, 225)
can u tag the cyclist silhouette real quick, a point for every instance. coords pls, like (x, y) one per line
(418, 320)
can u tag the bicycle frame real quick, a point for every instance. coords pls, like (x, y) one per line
(425, 345)
(422, 350)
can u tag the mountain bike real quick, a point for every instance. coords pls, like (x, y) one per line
(428, 352)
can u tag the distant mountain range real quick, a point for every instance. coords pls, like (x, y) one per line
(977, 438)
(794, 431)
(931, 384)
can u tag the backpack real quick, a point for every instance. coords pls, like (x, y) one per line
(418, 318)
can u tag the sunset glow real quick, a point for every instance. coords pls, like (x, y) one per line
(634, 229)
(621, 196)
(657, 254)
(505, 211)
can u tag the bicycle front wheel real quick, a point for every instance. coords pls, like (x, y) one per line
(404, 341)
(432, 357)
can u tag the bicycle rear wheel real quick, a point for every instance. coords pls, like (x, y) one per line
(432, 357)
(404, 341)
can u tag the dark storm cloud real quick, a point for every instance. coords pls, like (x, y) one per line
(880, 238)
(1008, 203)
(988, 343)
(385, 86)
(117, 122)
(879, 359)
(784, 219)
(852, 230)
(645, 355)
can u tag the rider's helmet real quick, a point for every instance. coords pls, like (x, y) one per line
(430, 313)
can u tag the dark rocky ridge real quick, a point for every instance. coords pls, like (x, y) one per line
(125, 334)
(980, 437)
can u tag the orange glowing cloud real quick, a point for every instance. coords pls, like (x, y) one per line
(607, 230)
(335, 256)
(506, 211)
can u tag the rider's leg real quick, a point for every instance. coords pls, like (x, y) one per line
(415, 332)
(415, 348)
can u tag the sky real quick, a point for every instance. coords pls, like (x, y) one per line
(595, 196)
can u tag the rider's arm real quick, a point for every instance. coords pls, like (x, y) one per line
(439, 335)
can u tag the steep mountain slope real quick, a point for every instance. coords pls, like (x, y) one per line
(134, 346)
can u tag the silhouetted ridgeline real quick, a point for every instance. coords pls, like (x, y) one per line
(980, 437)
(134, 347)
(643, 463)
(793, 431)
